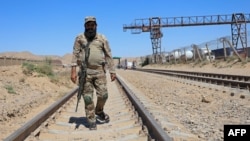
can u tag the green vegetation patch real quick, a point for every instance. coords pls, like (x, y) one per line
(10, 89)
(43, 68)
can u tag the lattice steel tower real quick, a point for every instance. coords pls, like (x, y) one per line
(153, 25)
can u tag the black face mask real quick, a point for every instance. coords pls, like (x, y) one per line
(90, 33)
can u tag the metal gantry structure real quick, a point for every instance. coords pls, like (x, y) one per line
(153, 25)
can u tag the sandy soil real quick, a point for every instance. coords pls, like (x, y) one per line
(24, 96)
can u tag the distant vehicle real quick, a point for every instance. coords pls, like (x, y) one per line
(128, 64)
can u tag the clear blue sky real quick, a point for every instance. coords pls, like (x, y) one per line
(49, 27)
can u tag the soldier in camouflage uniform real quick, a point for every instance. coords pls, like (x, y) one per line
(99, 54)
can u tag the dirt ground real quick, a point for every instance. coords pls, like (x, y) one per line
(218, 66)
(23, 96)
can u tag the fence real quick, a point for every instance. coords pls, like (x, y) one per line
(220, 48)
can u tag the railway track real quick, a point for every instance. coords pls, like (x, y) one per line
(129, 120)
(133, 117)
(201, 109)
(233, 81)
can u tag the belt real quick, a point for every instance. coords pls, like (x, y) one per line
(95, 67)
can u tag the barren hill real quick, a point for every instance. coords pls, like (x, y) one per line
(66, 59)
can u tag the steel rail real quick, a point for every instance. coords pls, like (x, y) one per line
(234, 81)
(214, 75)
(155, 130)
(33, 124)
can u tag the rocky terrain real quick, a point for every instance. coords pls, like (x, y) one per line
(191, 107)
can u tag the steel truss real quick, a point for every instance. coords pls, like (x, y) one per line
(153, 25)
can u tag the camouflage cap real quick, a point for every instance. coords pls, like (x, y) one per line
(89, 19)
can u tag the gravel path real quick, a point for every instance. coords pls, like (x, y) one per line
(202, 109)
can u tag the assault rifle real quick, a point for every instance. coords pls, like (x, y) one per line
(82, 76)
(82, 79)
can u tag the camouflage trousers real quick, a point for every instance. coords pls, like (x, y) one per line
(97, 82)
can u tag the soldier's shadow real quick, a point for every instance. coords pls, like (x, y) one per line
(79, 121)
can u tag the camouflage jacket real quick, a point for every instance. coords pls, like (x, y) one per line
(99, 52)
